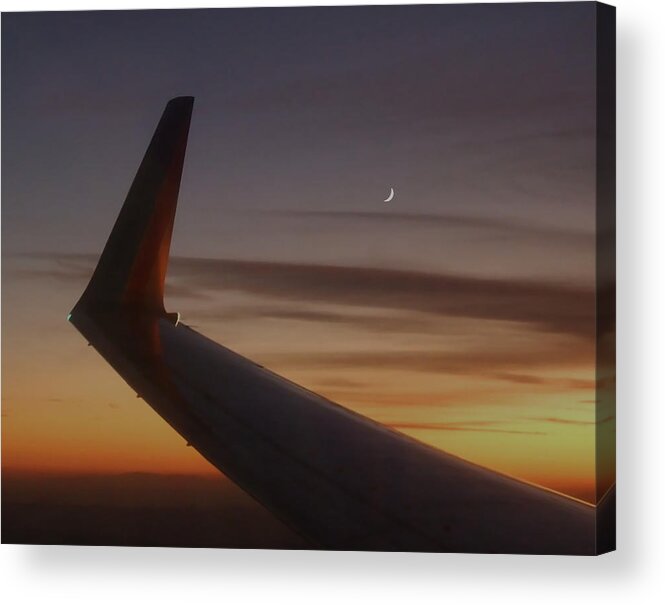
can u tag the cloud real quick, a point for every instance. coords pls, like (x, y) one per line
(341, 383)
(402, 322)
(478, 426)
(544, 305)
(64, 269)
(493, 365)
(78, 268)
(563, 383)
(555, 420)
(549, 306)
(493, 226)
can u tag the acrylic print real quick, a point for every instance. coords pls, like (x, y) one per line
(382, 316)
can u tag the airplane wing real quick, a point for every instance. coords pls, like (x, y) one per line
(339, 479)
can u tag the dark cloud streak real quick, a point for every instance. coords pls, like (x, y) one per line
(555, 420)
(398, 323)
(547, 306)
(551, 307)
(479, 427)
(491, 365)
(493, 226)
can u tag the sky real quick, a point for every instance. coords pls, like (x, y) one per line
(461, 312)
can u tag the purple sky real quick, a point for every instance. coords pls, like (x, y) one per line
(475, 111)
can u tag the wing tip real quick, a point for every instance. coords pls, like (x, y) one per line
(132, 267)
(181, 101)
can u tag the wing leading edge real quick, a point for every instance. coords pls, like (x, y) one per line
(339, 479)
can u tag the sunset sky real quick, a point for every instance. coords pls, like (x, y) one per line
(462, 312)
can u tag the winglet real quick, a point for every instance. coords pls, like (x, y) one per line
(132, 268)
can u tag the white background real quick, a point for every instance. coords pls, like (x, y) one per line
(634, 573)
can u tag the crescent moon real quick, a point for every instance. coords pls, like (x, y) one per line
(391, 196)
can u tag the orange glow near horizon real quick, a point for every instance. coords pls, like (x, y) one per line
(66, 411)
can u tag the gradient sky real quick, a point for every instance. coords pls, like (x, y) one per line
(462, 312)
